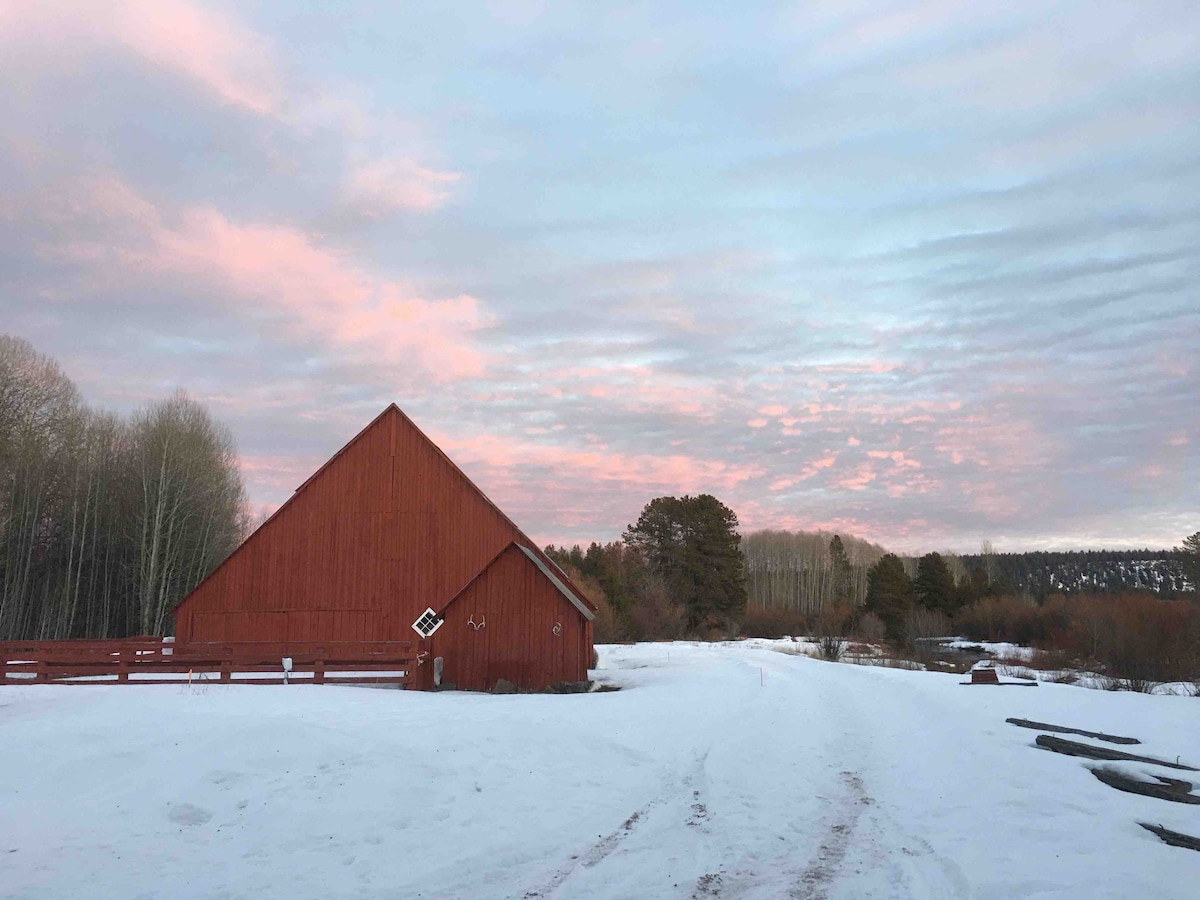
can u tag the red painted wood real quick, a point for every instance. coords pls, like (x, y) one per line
(518, 608)
(388, 527)
(137, 662)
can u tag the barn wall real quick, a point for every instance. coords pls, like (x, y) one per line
(386, 528)
(520, 607)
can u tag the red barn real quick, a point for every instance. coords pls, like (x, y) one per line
(388, 528)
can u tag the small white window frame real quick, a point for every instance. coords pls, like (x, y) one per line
(428, 630)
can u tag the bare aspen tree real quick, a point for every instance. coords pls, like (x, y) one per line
(189, 517)
(795, 570)
(104, 525)
(988, 556)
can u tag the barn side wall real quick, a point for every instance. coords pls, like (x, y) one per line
(520, 608)
(386, 529)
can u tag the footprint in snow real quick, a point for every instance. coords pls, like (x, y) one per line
(187, 814)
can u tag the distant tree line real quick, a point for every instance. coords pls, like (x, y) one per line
(683, 569)
(1040, 573)
(105, 522)
(806, 571)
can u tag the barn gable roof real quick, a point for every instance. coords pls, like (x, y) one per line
(584, 609)
(561, 580)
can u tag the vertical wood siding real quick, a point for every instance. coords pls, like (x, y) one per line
(519, 608)
(386, 528)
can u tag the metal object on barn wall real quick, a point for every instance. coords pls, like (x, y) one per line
(386, 528)
(438, 663)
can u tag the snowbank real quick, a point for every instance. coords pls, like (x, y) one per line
(719, 770)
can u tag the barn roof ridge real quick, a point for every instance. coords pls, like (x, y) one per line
(577, 597)
(568, 594)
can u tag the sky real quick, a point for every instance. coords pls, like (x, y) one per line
(927, 273)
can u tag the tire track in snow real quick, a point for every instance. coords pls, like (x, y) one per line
(594, 855)
(683, 795)
(822, 870)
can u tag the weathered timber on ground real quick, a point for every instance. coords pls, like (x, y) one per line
(1174, 838)
(1063, 729)
(1165, 789)
(1074, 748)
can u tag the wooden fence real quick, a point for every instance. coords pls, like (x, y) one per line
(154, 661)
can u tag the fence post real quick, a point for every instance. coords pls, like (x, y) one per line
(225, 667)
(41, 677)
(3, 664)
(123, 664)
(319, 672)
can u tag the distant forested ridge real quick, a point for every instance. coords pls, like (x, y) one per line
(105, 522)
(1041, 573)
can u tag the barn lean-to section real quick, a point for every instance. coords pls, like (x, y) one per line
(516, 620)
(386, 528)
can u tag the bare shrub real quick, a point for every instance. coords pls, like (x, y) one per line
(833, 624)
(656, 617)
(910, 665)
(921, 627)
(831, 647)
(1139, 639)
(1139, 685)
(1065, 676)
(870, 628)
(1005, 618)
(773, 622)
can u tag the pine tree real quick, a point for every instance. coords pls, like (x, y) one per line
(841, 572)
(1191, 560)
(889, 593)
(934, 585)
(693, 544)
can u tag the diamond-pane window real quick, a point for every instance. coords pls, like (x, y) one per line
(427, 623)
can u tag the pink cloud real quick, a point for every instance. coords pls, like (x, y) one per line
(675, 472)
(862, 476)
(384, 186)
(636, 388)
(592, 486)
(896, 456)
(813, 468)
(224, 58)
(773, 410)
(278, 278)
(1002, 441)
(863, 368)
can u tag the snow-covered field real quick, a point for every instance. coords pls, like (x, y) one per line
(719, 771)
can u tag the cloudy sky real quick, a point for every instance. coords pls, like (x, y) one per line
(928, 273)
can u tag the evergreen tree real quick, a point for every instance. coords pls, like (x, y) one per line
(841, 571)
(693, 544)
(1191, 560)
(934, 585)
(973, 586)
(889, 593)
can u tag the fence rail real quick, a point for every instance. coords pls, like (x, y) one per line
(144, 661)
